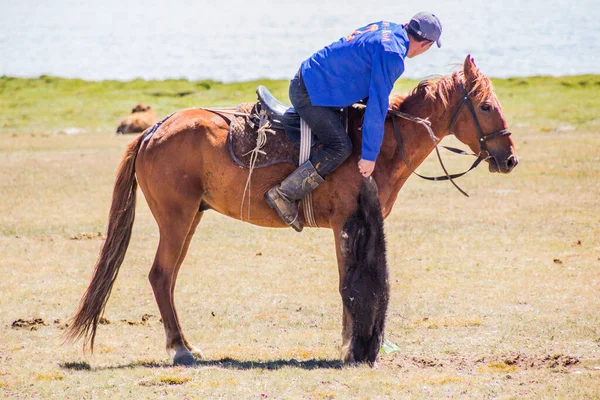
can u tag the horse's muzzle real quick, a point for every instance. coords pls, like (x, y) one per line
(505, 165)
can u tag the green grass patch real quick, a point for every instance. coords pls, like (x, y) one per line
(49, 377)
(166, 380)
(499, 367)
(551, 103)
(51, 104)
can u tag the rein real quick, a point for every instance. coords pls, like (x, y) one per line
(481, 137)
(229, 111)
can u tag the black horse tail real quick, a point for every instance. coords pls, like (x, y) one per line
(365, 288)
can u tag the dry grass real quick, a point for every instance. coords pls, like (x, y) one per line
(493, 296)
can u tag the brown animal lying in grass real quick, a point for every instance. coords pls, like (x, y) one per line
(141, 118)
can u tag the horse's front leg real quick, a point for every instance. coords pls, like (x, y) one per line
(360, 249)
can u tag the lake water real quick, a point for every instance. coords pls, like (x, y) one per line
(234, 40)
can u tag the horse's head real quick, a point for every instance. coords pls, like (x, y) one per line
(479, 123)
(140, 108)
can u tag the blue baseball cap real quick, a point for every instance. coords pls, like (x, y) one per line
(427, 26)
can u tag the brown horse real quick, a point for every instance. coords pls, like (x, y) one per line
(141, 118)
(185, 168)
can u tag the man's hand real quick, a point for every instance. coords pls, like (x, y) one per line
(366, 167)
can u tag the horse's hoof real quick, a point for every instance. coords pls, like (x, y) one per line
(347, 356)
(184, 359)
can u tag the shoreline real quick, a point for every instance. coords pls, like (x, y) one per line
(262, 79)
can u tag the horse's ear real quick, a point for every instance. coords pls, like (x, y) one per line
(470, 69)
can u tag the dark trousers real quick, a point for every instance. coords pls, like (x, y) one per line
(326, 126)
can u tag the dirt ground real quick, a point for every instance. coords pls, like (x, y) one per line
(492, 296)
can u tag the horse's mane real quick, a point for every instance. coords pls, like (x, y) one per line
(441, 91)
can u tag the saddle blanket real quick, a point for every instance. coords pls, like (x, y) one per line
(242, 138)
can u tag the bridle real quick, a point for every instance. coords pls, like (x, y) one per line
(482, 139)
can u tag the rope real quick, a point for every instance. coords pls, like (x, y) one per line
(261, 140)
(425, 122)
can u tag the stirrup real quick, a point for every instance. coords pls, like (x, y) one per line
(296, 223)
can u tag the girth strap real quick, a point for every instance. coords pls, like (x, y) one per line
(305, 145)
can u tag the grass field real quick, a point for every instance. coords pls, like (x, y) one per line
(492, 296)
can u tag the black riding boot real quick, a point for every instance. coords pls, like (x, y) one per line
(284, 197)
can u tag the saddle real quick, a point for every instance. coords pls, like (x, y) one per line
(243, 139)
(281, 126)
(281, 116)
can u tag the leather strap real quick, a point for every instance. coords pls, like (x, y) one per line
(305, 145)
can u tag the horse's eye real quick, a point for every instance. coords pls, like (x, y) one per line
(485, 107)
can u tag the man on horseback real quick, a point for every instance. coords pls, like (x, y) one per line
(364, 64)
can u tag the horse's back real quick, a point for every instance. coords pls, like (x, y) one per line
(190, 126)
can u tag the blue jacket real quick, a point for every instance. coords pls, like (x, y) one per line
(363, 64)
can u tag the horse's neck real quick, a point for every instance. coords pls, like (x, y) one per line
(417, 144)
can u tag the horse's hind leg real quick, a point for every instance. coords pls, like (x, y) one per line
(176, 231)
(193, 349)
